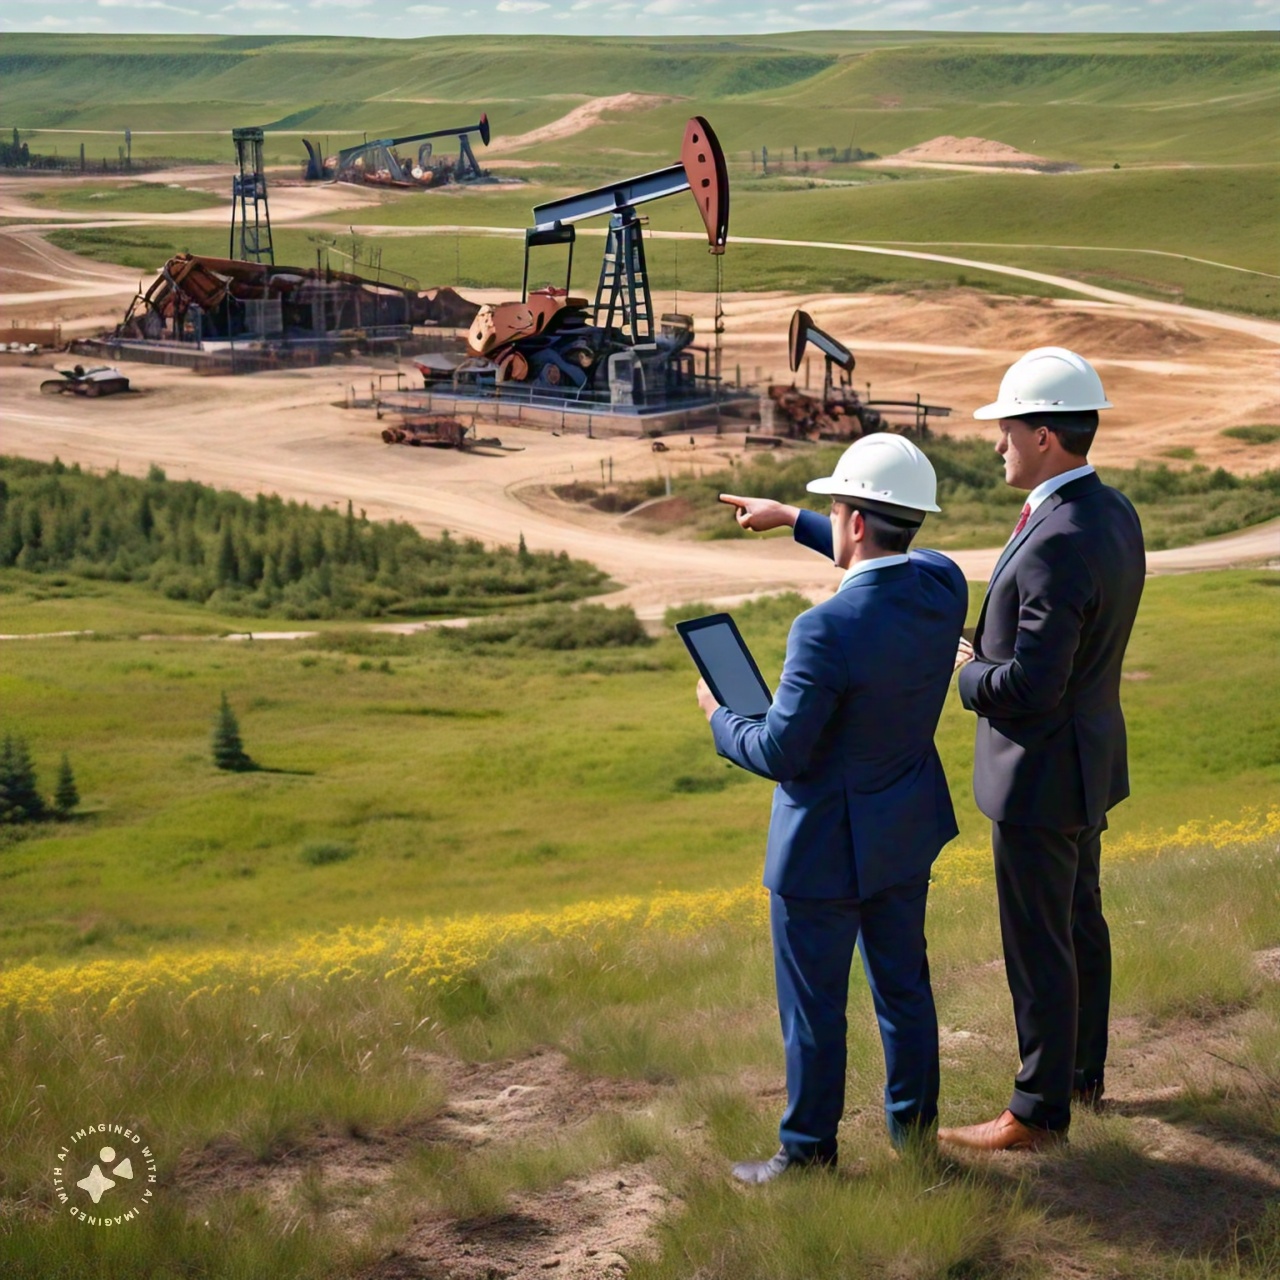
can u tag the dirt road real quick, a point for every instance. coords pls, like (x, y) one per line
(283, 433)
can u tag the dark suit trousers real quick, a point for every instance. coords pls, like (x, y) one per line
(813, 943)
(1057, 955)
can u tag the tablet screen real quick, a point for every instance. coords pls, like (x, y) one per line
(726, 664)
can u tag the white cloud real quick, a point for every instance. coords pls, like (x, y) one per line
(258, 6)
(430, 10)
(146, 4)
(521, 6)
(341, 4)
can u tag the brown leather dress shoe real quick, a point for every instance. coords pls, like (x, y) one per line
(1008, 1133)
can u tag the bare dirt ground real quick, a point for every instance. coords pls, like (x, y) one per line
(1154, 1172)
(582, 1228)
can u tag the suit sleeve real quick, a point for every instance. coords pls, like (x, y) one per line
(814, 678)
(814, 531)
(1055, 589)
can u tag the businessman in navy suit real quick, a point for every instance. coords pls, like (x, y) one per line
(1050, 757)
(861, 809)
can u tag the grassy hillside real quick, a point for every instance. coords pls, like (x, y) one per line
(1178, 136)
(1085, 99)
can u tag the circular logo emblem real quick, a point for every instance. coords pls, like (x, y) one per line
(105, 1175)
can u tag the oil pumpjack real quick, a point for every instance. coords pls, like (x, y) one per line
(378, 164)
(553, 345)
(841, 413)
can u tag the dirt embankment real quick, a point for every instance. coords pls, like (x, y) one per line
(579, 119)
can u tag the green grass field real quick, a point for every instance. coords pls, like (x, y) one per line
(134, 197)
(1132, 99)
(481, 781)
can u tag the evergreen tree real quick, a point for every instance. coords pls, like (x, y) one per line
(20, 799)
(65, 796)
(228, 568)
(228, 750)
(522, 551)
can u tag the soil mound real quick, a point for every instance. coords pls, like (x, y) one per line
(949, 150)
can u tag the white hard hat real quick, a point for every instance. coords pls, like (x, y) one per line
(883, 471)
(1047, 380)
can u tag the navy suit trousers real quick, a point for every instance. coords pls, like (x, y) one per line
(813, 944)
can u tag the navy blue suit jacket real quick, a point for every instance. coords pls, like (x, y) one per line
(1049, 646)
(862, 803)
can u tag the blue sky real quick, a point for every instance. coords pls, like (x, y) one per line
(412, 18)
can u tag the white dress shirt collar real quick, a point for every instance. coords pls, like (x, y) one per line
(865, 566)
(1043, 490)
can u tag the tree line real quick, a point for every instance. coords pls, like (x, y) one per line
(189, 541)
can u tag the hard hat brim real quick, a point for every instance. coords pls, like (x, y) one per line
(1017, 408)
(834, 487)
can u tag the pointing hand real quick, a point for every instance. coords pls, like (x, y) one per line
(759, 514)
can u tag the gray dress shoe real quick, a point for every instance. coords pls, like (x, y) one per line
(758, 1171)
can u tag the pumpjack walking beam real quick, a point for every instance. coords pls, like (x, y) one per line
(249, 198)
(467, 166)
(803, 332)
(623, 299)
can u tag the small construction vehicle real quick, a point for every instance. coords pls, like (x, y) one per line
(101, 380)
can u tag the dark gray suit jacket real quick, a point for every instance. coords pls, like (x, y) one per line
(1049, 644)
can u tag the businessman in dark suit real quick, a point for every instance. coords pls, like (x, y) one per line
(1050, 757)
(861, 809)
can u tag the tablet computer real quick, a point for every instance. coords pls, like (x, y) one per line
(726, 663)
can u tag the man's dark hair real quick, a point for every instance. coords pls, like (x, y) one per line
(886, 532)
(1075, 428)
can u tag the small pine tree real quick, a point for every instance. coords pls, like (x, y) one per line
(228, 750)
(20, 799)
(522, 551)
(65, 795)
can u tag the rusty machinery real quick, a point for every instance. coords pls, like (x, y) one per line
(841, 413)
(378, 164)
(554, 345)
(198, 299)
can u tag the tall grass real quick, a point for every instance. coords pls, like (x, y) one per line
(259, 1077)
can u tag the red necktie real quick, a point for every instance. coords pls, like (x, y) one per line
(1022, 521)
